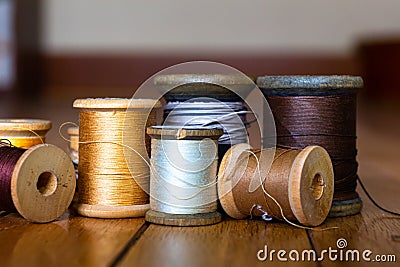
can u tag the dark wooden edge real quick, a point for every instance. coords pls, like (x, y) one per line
(130, 70)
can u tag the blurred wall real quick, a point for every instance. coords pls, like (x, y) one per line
(323, 26)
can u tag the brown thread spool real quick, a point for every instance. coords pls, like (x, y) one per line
(301, 181)
(24, 133)
(174, 174)
(109, 173)
(42, 183)
(320, 110)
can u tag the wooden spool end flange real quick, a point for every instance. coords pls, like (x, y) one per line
(224, 87)
(43, 183)
(110, 212)
(116, 103)
(183, 219)
(311, 186)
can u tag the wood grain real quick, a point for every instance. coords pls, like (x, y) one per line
(373, 229)
(79, 241)
(229, 243)
(69, 241)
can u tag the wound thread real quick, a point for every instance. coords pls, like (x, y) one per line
(8, 159)
(231, 116)
(325, 121)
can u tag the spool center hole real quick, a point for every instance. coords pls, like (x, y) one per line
(318, 186)
(47, 183)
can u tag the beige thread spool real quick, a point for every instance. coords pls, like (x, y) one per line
(43, 183)
(24, 133)
(109, 173)
(301, 181)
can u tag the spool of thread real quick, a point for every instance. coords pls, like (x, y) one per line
(320, 110)
(300, 182)
(183, 190)
(228, 108)
(24, 133)
(113, 179)
(39, 182)
(73, 133)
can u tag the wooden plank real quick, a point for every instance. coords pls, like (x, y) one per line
(373, 229)
(229, 243)
(69, 241)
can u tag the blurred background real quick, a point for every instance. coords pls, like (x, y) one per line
(53, 51)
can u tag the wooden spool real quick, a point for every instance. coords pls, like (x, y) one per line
(24, 133)
(142, 106)
(300, 180)
(43, 183)
(175, 133)
(323, 86)
(73, 133)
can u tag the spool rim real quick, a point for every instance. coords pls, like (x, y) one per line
(73, 130)
(309, 209)
(185, 132)
(198, 219)
(24, 124)
(217, 86)
(309, 84)
(111, 212)
(224, 79)
(116, 103)
(29, 201)
(225, 196)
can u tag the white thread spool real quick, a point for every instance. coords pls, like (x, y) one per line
(183, 188)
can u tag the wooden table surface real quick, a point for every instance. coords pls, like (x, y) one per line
(77, 241)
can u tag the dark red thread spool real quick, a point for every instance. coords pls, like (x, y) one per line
(320, 110)
(38, 183)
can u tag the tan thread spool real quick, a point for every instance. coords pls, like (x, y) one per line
(73, 133)
(24, 133)
(43, 183)
(106, 184)
(301, 181)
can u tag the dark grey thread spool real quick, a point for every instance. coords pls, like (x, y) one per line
(215, 86)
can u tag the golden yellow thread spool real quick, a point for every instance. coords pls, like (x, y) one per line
(111, 133)
(24, 133)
